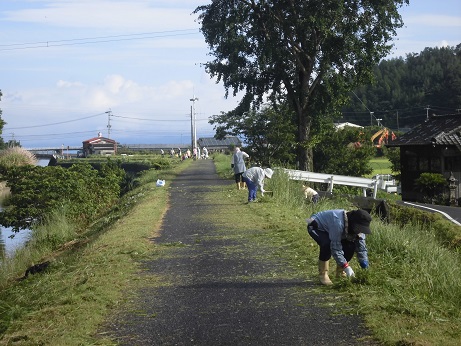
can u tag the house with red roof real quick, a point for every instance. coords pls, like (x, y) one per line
(99, 146)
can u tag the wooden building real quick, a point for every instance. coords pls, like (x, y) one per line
(99, 146)
(432, 147)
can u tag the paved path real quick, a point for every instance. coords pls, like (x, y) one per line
(215, 291)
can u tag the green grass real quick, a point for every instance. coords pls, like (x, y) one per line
(414, 280)
(87, 277)
(411, 295)
(380, 165)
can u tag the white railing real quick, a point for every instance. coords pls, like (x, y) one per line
(333, 179)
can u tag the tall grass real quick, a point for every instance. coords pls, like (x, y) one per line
(410, 295)
(16, 156)
(49, 236)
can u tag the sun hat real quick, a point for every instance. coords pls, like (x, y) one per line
(268, 172)
(359, 221)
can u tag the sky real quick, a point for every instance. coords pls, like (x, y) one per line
(129, 69)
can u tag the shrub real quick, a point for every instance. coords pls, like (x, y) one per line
(36, 191)
(431, 184)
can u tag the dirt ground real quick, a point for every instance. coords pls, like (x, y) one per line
(213, 296)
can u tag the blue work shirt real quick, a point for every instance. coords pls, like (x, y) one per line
(334, 222)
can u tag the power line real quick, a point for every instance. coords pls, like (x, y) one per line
(58, 123)
(98, 39)
(157, 120)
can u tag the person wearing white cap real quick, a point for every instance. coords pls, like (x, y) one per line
(254, 178)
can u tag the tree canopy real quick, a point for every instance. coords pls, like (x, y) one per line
(308, 53)
(343, 151)
(269, 134)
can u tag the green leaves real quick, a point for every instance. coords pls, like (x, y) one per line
(431, 184)
(339, 153)
(306, 53)
(37, 191)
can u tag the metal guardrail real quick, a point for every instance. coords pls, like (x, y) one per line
(333, 179)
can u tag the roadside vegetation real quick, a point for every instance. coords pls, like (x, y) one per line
(413, 283)
(411, 295)
(88, 265)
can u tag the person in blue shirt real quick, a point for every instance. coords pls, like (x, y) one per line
(340, 234)
(254, 178)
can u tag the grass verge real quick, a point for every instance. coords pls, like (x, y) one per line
(85, 280)
(411, 295)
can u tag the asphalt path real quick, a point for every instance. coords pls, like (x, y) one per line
(213, 296)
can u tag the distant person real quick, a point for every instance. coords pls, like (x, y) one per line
(205, 153)
(340, 234)
(238, 165)
(310, 194)
(162, 152)
(254, 178)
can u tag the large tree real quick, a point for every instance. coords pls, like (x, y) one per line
(308, 52)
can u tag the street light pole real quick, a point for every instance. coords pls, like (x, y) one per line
(193, 123)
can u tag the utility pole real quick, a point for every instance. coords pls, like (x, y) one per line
(371, 118)
(193, 122)
(109, 114)
(427, 113)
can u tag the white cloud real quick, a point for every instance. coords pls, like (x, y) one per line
(66, 84)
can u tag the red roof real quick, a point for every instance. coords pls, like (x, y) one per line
(99, 139)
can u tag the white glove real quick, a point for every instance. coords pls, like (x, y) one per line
(349, 272)
(262, 192)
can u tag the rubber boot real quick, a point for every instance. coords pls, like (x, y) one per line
(340, 272)
(323, 273)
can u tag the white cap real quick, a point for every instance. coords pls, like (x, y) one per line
(268, 172)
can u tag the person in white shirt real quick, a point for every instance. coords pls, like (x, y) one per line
(238, 165)
(254, 178)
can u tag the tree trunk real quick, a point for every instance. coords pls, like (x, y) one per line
(305, 160)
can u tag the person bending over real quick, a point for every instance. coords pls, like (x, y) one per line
(340, 233)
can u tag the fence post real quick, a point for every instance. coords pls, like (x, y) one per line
(375, 188)
(330, 187)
